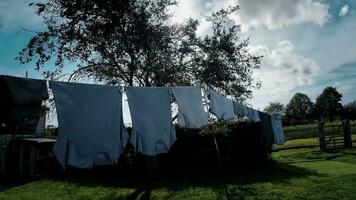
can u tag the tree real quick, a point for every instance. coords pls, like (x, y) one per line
(349, 111)
(299, 107)
(132, 42)
(222, 59)
(328, 104)
(275, 108)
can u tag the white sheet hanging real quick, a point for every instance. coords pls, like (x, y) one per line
(277, 130)
(253, 115)
(221, 106)
(152, 129)
(191, 112)
(91, 129)
(240, 110)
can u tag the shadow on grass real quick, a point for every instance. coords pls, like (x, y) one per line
(173, 179)
(6, 183)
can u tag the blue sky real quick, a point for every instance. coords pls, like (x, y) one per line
(307, 44)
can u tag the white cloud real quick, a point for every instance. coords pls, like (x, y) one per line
(272, 14)
(282, 71)
(182, 11)
(276, 14)
(193, 8)
(346, 88)
(16, 13)
(196, 9)
(344, 10)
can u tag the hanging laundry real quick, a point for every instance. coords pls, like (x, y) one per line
(191, 112)
(20, 104)
(91, 128)
(152, 128)
(277, 130)
(267, 130)
(253, 114)
(239, 110)
(25, 90)
(245, 111)
(256, 115)
(250, 113)
(221, 106)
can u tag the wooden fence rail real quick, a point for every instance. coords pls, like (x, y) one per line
(330, 135)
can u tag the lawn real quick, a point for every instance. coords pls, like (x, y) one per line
(311, 130)
(301, 173)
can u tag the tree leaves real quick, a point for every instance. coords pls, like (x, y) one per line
(300, 107)
(328, 103)
(132, 42)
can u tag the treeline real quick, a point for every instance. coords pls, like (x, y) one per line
(301, 110)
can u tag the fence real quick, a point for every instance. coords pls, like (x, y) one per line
(312, 130)
(301, 133)
(353, 130)
(331, 136)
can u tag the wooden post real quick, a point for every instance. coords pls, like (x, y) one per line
(221, 166)
(2, 161)
(151, 163)
(322, 142)
(347, 134)
(32, 160)
(21, 157)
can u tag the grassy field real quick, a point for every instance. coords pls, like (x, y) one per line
(301, 173)
(311, 130)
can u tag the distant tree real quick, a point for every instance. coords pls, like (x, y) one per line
(133, 42)
(300, 107)
(275, 108)
(328, 104)
(349, 111)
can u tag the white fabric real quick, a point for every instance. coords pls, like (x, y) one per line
(241, 110)
(245, 111)
(191, 112)
(256, 116)
(152, 128)
(277, 130)
(253, 115)
(238, 110)
(221, 106)
(91, 129)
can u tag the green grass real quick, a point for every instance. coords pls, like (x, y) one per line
(311, 130)
(301, 173)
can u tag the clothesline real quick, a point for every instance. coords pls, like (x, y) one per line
(91, 128)
(206, 94)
